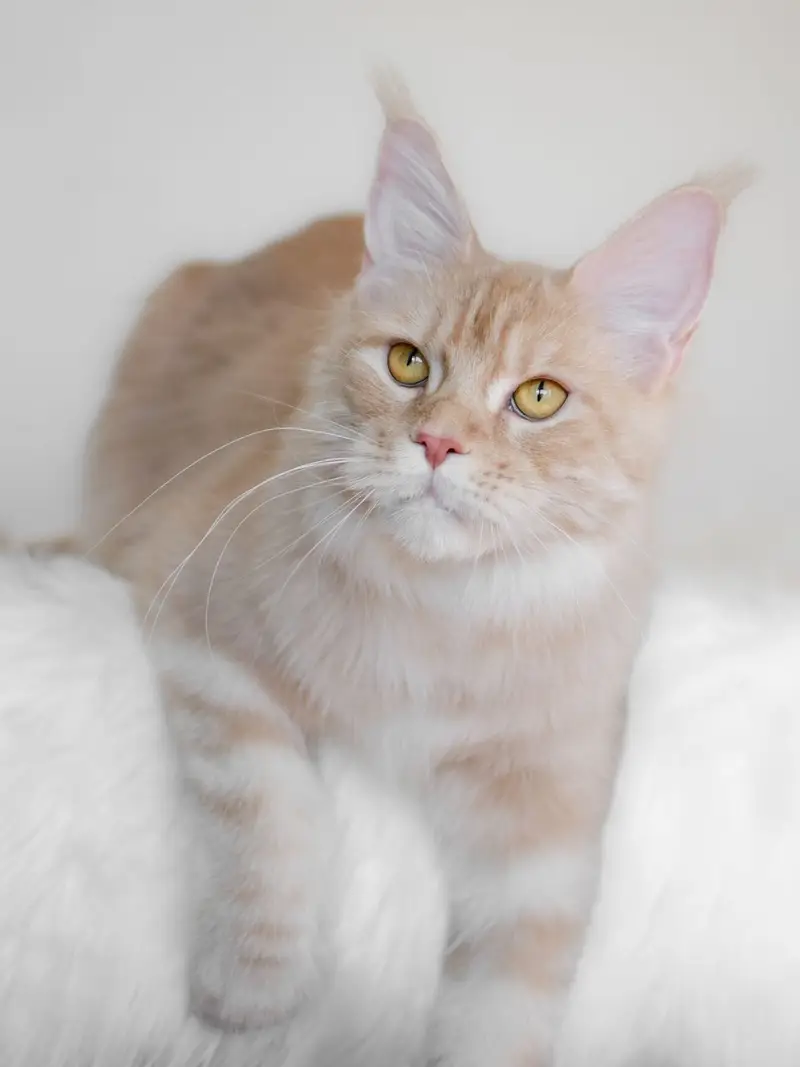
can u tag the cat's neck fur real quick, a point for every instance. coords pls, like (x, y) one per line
(504, 588)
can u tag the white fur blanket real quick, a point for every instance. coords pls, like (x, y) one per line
(694, 953)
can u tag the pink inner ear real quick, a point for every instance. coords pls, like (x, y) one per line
(414, 212)
(649, 280)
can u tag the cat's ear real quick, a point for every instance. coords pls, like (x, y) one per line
(415, 217)
(649, 281)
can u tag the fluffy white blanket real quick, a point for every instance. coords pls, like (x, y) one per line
(694, 953)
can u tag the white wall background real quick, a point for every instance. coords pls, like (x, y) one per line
(138, 132)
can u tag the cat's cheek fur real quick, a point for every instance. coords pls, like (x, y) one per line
(263, 835)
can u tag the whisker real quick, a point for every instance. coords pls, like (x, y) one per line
(362, 519)
(303, 411)
(513, 540)
(321, 541)
(304, 534)
(493, 552)
(585, 549)
(238, 526)
(366, 514)
(478, 555)
(341, 481)
(200, 459)
(176, 572)
(591, 514)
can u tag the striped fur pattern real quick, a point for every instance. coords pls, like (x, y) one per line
(465, 632)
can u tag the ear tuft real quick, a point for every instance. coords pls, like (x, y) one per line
(727, 183)
(649, 281)
(393, 95)
(415, 217)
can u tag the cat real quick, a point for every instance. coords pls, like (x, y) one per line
(692, 957)
(377, 488)
(92, 894)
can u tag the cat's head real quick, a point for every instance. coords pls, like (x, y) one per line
(502, 406)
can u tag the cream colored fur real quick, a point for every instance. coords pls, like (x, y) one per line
(463, 630)
(693, 958)
(92, 884)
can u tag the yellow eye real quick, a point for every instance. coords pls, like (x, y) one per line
(538, 399)
(407, 365)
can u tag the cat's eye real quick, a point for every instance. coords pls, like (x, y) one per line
(407, 365)
(538, 399)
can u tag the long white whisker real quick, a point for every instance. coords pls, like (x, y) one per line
(238, 526)
(478, 558)
(175, 574)
(364, 518)
(320, 522)
(367, 513)
(322, 541)
(303, 411)
(361, 521)
(584, 548)
(589, 513)
(200, 459)
(513, 540)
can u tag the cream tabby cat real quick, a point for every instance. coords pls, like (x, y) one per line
(409, 522)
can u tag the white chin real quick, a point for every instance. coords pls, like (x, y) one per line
(429, 532)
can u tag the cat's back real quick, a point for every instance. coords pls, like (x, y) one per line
(219, 352)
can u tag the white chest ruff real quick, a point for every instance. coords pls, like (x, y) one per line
(398, 648)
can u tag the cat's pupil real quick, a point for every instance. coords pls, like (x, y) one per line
(540, 391)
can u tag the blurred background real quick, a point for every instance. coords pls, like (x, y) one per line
(136, 133)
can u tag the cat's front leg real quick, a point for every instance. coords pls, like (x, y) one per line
(503, 995)
(522, 878)
(259, 843)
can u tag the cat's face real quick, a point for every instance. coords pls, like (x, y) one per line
(501, 407)
(544, 438)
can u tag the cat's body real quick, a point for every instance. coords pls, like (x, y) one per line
(348, 573)
(692, 960)
(93, 895)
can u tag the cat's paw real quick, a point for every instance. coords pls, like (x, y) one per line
(258, 951)
(253, 979)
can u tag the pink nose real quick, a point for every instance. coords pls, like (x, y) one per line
(437, 449)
